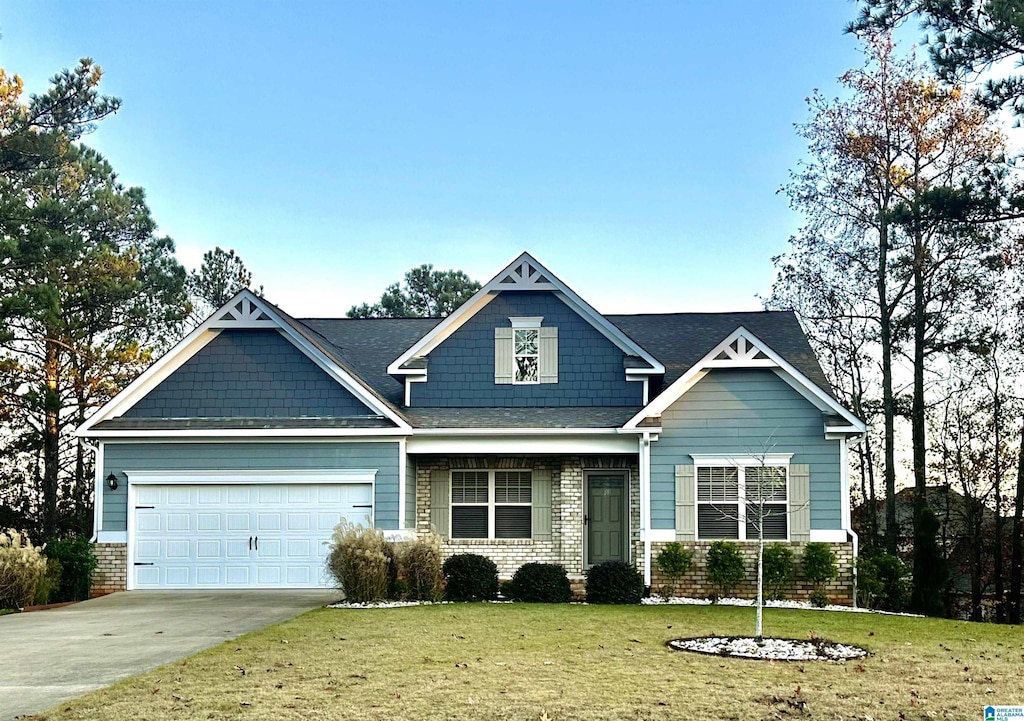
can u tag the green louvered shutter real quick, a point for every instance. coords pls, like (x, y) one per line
(800, 502)
(686, 506)
(548, 354)
(440, 495)
(503, 352)
(541, 500)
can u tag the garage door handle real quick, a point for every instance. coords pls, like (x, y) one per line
(250, 543)
(257, 543)
(365, 505)
(138, 507)
(139, 563)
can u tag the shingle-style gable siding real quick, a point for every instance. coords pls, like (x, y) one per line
(121, 457)
(248, 374)
(590, 367)
(745, 413)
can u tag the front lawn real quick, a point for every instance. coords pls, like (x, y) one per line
(485, 661)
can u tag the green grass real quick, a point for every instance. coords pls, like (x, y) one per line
(484, 661)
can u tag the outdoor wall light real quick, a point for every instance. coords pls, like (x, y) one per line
(112, 482)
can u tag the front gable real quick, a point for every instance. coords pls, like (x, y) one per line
(525, 339)
(587, 369)
(249, 373)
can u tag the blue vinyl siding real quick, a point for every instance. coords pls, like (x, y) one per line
(121, 457)
(745, 413)
(410, 492)
(249, 374)
(460, 371)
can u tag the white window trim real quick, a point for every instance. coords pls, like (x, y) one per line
(741, 464)
(491, 503)
(525, 324)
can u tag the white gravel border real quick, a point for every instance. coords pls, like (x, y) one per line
(769, 649)
(748, 602)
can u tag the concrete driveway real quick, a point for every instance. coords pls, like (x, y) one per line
(52, 656)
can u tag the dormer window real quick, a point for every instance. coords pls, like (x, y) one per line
(526, 352)
(526, 362)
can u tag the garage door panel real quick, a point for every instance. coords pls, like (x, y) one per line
(238, 521)
(210, 541)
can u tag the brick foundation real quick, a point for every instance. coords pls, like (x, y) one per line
(112, 571)
(695, 583)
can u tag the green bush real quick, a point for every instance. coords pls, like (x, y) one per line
(819, 563)
(881, 581)
(725, 566)
(674, 562)
(360, 562)
(777, 567)
(22, 565)
(818, 598)
(421, 569)
(49, 585)
(614, 582)
(541, 583)
(78, 562)
(470, 577)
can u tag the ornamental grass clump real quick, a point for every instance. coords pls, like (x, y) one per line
(420, 562)
(22, 565)
(360, 561)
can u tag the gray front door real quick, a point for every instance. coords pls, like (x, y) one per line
(606, 517)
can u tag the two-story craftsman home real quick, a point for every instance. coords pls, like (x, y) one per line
(526, 426)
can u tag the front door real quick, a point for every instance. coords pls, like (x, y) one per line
(605, 518)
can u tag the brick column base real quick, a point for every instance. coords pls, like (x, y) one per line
(112, 571)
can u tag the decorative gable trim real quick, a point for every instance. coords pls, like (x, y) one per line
(523, 273)
(245, 310)
(742, 349)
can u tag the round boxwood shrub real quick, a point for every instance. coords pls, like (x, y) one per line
(725, 566)
(541, 583)
(614, 582)
(470, 577)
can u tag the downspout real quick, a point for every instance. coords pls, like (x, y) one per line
(847, 521)
(97, 501)
(645, 504)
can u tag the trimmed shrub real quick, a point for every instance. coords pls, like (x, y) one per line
(21, 567)
(777, 566)
(819, 563)
(78, 562)
(421, 569)
(541, 583)
(614, 582)
(818, 598)
(881, 581)
(470, 577)
(360, 561)
(49, 584)
(505, 589)
(725, 566)
(674, 561)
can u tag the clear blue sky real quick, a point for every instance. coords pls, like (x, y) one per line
(634, 148)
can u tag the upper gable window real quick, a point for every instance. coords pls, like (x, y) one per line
(525, 352)
(526, 362)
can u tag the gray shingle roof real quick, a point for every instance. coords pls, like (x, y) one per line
(676, 339)
(576, 417)
(180, 424)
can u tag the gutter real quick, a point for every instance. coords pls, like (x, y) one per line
(645, 503)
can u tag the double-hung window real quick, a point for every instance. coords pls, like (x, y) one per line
(738, 500)
(526, 361)
(492, 504)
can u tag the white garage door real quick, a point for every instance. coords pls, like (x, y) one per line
(240, 536)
